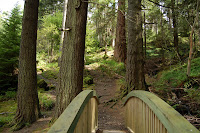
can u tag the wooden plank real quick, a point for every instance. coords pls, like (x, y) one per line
(89, 121)
(171, 119)
(68, 120)
(132, 118)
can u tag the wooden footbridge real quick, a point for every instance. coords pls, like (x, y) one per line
(144, 113)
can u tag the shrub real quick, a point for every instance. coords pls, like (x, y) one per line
(88, 80)
(10, 94)
(50, 74)
(46, 101)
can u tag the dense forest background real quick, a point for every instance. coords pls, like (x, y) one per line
(171, 47)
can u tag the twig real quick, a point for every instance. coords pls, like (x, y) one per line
(159, 4)
(6, 113)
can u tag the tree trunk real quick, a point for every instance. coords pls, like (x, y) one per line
(63, 24)
(120, 45)
(175, 29)
(70, 80)
(135, 62)
(27, 96)
(190, 53)
(191, 42)
(145, 37)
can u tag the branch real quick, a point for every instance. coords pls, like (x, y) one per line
(159, 4)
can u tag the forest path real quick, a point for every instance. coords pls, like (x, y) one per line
(106, 88)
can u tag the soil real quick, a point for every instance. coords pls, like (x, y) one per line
(109, 118)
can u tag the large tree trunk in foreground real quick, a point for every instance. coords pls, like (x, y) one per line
(135, 62)
(120, 45)
(70, 80)
(27, 98)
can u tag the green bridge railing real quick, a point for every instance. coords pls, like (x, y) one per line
(80, 116)
(144, 113)
(147, 113)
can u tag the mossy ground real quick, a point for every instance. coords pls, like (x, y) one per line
(7, 112)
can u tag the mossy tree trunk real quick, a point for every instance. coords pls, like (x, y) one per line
(70, 79)
(135, 62)
(27, 96)
(120, 45)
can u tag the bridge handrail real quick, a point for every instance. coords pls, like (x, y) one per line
(69, 119)
(173, 121)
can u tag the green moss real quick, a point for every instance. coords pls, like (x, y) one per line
(7, 110)
(88, 80)
(42, 84)
(112, 67)
(46, 101)
(50, 74)
(177, 75)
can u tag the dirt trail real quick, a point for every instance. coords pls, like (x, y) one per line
(106, 88)
(108, 118)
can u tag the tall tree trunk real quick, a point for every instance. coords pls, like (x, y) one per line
(135, 62)
(191, 42)
(190, 53)
(175, 29)
(70, 79)
(63, 24)
(113, 27)
(120, 45)
(145, 37)
(27, 96)
(63, 30)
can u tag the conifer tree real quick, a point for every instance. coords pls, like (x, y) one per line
(9, 52)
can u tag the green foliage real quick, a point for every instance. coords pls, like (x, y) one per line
(42, 84)
(92, 42)
(110, 66)
(46, 101)
(88, 80)
(194, 94)
(49, 7)
(9, 51)
(50, 74)
(10, 94)
(49, 38)
(8, 109)
(177, 75)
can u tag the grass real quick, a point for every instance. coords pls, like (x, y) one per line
(7, 110)
(105, 65)
(51, 74)
(46, 101)
(8, 107)
(177, 78)
(8, 95)
(177, 75)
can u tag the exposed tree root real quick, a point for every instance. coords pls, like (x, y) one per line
(122, 93)
(17, 124)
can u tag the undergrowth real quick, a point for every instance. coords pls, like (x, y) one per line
(176, 76)
(7, 112)
(46, 101)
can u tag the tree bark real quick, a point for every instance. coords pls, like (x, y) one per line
(145, 37)
(191, 42)
(135, 61)
(63, 24)
(175, 29)
(70, 79)
(27, 96)
(190, 53)
(120, 45)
